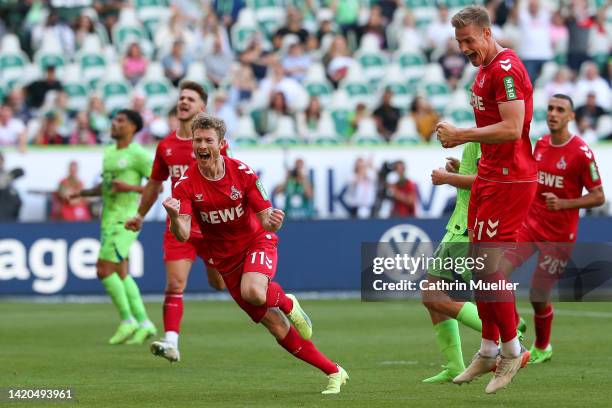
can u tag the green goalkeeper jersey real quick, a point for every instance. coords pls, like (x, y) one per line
(457, 224)
(128, 165)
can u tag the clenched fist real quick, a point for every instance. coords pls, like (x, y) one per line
(276, 218)
(447, 135)
(452, 165)
(439, 176)
(172, 206)
(553, 203)
(134, 223)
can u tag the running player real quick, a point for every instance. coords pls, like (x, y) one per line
(125, 165)
(238, 225)
(173, 156)
(566, 166)
(444, 312)
(505, 186)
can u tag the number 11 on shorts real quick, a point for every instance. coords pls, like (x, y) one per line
(263, 259)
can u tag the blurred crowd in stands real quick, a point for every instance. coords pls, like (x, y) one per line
(284, 71)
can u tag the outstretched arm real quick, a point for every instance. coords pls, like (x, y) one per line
(441, 176)
(88, 192)
(149, 195)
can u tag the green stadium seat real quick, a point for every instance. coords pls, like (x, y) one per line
(322, 90)
(406, 132)
(412, 63)
(124, 34)
(12, 65)
(44, 59)
(78, 95)
(159, 92)
(115, 93)
(438, 94)
(374, 65)
(93, 66)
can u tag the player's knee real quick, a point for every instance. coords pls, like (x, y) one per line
(253, 294)
(175, 285)
(103, 271)
(428, 304)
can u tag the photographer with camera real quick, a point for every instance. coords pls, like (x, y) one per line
(393, 185)
(10, 203)
(298, 193)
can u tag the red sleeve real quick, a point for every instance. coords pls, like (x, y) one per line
(160, 169)
(590, 172)
(181, 193)
(509, 80)
(256, 195)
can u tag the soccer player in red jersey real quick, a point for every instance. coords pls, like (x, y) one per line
(566, 166)
(173, 156)
(238, 223)
(504, 188)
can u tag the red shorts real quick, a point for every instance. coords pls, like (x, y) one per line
(260, 257)
(497, 210)
(552, 259)
(175, 250)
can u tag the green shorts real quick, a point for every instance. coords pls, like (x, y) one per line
(453, 246)
(115, 242)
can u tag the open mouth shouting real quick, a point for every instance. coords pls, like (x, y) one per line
(203, 154)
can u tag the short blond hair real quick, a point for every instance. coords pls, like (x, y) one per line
(206, 121)
(472, 15)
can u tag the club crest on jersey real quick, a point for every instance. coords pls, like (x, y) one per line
(168, 152)
(481, 83)
(561, 165)
(235, 194)
(122, 163)
(538, 157)
(199, 197)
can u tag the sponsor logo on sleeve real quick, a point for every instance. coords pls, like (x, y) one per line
(594, 171)
(510, 89)
(261, 189)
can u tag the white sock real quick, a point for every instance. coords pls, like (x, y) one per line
(511, 348)
(488, 348)
(172, 338)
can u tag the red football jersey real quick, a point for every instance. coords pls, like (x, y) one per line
(563, 170)
(173, 157)
(504, 79)
(225, 209)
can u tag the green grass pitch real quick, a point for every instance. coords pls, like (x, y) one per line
(387, 348)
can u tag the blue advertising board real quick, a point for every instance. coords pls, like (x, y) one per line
(59, 258)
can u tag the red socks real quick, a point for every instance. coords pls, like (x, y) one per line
(306, 351)
(543, 326)
(499, 316)
(490, 331)
(275, 297)
(173, 311)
